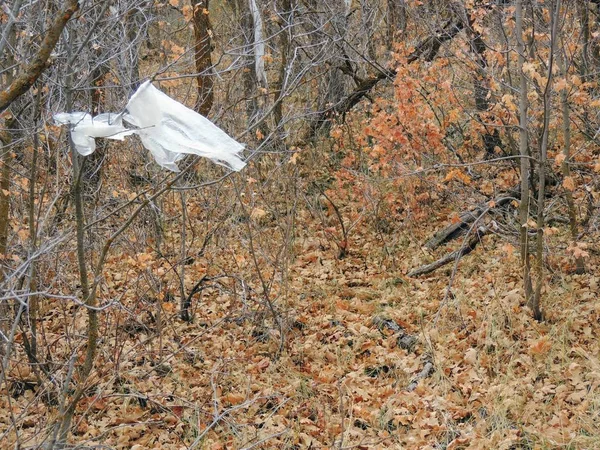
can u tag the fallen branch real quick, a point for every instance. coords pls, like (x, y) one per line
(454, 230)
(467, 218)
(465, 249)
(425, 373)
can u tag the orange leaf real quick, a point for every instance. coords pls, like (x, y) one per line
(559, 159)
(234, 399)
(540, 347)
(569, 184)
(508, 249)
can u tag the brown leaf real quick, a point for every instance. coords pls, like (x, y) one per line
(559, 159)
(471, 356)
(257, 213)
(569, 184)
(540, 347)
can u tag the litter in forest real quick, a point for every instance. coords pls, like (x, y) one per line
(168, 129)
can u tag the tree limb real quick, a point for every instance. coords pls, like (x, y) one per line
(466, 218)
(427, 371)
(465, 249)
(34, 69)
(426, 50)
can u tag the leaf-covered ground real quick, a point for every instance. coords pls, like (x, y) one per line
(368, 358)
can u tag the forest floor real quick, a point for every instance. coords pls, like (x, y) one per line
(369, 358)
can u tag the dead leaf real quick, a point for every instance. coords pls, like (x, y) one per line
(258, 213)
(569, 184)
(471, 356)
(559, 159)
(540, 347)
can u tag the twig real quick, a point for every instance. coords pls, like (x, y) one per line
(425, 373)
(266, 439)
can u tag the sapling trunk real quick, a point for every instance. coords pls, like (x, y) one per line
(524, 153)
(565, 165)
(535, 301)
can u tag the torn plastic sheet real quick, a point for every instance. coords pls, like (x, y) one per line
(86, 129)
(168, 129)
(165, 126)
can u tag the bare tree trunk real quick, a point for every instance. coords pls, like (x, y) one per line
(133, 18)
(93, 169)
(565, 165)
(553, 12)
(32, 346)
(396, 20)
(332, 89)
(202, 55)
(88, 299)
(184, 305)
(250, 80)
(334, 84)
(524, 153)
(368, 11)
(584, 67)
(284, 8)
(585, 36)
(491, 138)
(258, 45)
(5, 160)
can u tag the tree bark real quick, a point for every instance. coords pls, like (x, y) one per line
(5, 139)
(535, 302)
(203, 56)
(396, 11)
(565, 165)
(465, 249)
(481, 84)
(285, 14)
(34, 69)
(524, 153)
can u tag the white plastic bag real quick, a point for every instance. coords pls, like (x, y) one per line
(87, 128)
(168, 129)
